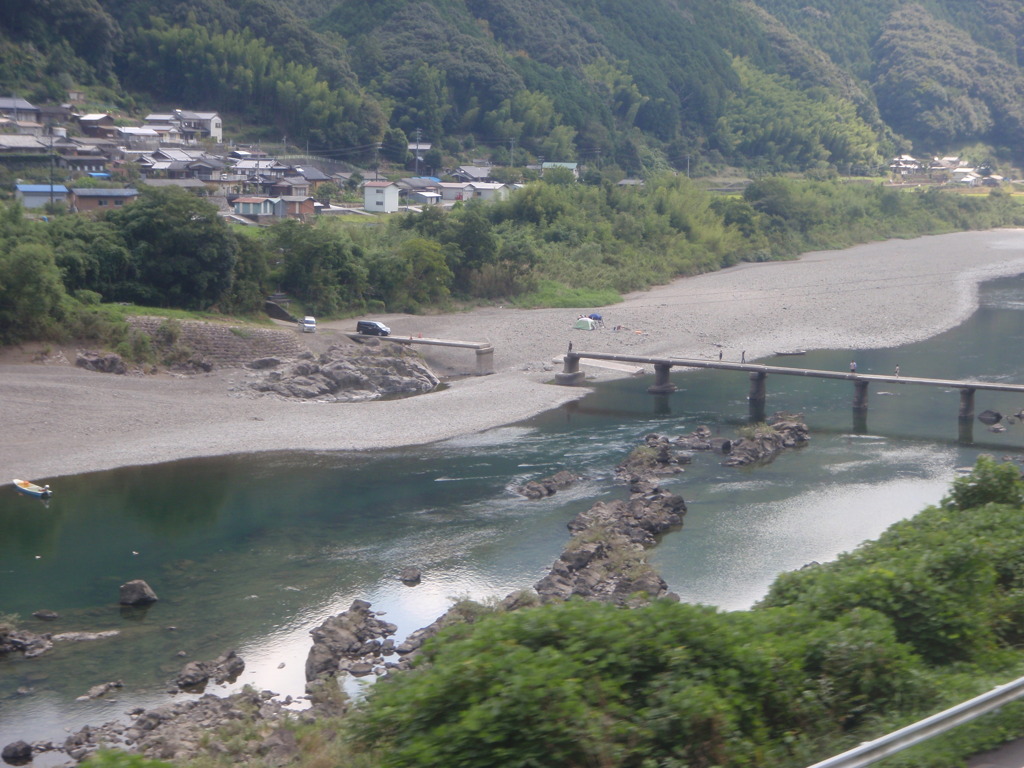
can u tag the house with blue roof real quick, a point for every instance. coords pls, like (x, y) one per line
(40, 195)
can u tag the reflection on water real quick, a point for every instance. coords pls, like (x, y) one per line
(252, 552)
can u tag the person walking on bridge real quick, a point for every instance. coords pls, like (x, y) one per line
(853, 366)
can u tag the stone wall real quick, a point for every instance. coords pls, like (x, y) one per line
(225, 346)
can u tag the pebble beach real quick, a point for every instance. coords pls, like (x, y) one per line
(59, 420)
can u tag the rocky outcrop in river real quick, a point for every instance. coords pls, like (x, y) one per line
(548, 486)
(605, 558)
(353, 641)
(186, 730)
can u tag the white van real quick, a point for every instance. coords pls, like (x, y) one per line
(308, 324)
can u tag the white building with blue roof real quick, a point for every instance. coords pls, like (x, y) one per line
(40, 195)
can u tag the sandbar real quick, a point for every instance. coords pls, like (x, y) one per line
(58, 419)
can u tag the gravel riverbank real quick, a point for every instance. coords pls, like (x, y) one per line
(59, 420)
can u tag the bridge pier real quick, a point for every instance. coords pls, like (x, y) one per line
(758, 389)
(662, 383)
(571, 374)
(860, 395)
(485, 361)
(967, 403)
(860, 421)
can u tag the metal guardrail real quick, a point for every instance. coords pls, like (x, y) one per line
(871, 752)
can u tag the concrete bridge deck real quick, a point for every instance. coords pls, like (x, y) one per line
(572, 375)
(484, 349)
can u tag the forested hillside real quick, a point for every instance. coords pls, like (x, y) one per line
(640, 86)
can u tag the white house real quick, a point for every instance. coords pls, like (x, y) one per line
(190, 125)
(380, 196)
(453, 191)
(488, 190)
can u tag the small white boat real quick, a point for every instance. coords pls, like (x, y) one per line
(31, 489)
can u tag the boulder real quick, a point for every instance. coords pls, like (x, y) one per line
(137, 592)
(990, 417)
(95, 361)
(46, 615)
(225, 668)
(100, 690)
(347, 641)
(193, 674)
(28, 643)
(548, 486)
(263, 363)
(410, 575)
(17, 753)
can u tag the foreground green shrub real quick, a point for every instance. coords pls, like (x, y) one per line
(836, 654)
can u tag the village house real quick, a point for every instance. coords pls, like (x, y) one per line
(88, 199)
(295, 186)
(85, 162)
(488, 190)
(138, 138)
(253, 207)
(574, 167)
(98, 125)
(15, 144)
(313, 176)
(22, 127)
(34, 196)
(261, 167)
(19, 110)
(420, 190)
(189, 126)
(260, 208)
(380, 196)
(195, 186)
(473, 173)
(454, 191)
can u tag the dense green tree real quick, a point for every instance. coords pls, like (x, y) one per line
(772, 120)
(428, 278)
(31, 293)
(240, 72)
(322, 267)
(182, 251)
(92, 255)
(933, 82)
(395, 146)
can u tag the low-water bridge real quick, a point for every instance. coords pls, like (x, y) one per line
(484, 349)
(571, 375)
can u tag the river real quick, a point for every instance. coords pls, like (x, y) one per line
(251, 552)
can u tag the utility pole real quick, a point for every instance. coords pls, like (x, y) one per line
(51, 169)
(417, 151)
